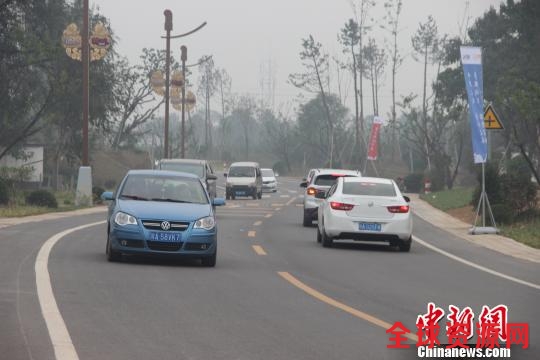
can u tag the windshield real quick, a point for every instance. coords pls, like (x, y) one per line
(267, 172)
(163, 188)
(195, 169)
(325, 180)
(368, 188)
(242, 171)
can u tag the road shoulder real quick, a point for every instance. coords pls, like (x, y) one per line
(460, 229)
(10, 221)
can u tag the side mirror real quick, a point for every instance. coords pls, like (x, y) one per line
(303, 184)
(211, 177)
(320, 195)
(218, 202)
(276, 174)
(107, 195)
(225, 174)
(407, 199)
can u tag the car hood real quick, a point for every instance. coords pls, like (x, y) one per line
(164, 210)
(269, 178)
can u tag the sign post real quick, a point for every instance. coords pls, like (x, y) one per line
(471, 58)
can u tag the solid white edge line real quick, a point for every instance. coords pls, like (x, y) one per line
(476, 266)
(60, 338)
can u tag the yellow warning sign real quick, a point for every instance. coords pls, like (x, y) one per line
(491, 119)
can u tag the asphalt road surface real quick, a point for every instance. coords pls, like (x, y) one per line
(275, 293)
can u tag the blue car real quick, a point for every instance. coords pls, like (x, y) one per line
(163, 213)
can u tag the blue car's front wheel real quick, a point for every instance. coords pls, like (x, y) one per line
(112, 255)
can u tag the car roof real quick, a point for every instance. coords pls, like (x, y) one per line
(267, 169)
(338, 171)
(159, 173)
(245, 163)
(184, 161)
(375, 180)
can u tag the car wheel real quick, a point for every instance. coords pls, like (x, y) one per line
(209, 261)
(112, 255)
(233, 197)
(307, 219)
(227, 196)
(326, 240)
(260, 195)
(254, 194)
(405, 246)
(319, 236)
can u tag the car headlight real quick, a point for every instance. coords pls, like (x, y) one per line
(206, 223)
(122, 219)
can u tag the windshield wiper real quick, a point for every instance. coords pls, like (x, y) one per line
(133, 197)
(173, 200)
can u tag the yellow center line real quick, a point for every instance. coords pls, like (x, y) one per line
(332, 302)
(268, 216)
(257, 223)
(259, 250)
(251, 233)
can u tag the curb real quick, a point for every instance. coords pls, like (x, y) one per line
(460, 229)
(10, 221)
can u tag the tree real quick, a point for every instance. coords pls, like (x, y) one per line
(393, 12)
(425, 43)
(134, 97)
(375, 59)
(315, 80)
(279, 136)
(350, 37)
(208, 83)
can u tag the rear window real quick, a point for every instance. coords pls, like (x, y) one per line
(195, 169)
(325, 180)
(368, 188)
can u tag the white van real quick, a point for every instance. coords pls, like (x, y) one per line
(243, 179)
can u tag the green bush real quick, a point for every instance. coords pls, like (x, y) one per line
(4, 192)
(414, 182)
(42, 198)
(493, 185)
(437, 180)
(96, 194)
(502, 214)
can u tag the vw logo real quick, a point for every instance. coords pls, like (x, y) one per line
(165, 225)
(370, 204)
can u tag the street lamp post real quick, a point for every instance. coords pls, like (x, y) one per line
(183, 57)
(168, 37)
(85, 48)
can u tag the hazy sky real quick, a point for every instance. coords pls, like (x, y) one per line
(243, 36)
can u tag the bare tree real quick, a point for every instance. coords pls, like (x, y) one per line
(425, 43)
(314, 80)
(208, 84)
(393, 12)
(375, 61)
(224, 82)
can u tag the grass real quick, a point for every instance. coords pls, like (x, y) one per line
(18, 208)
(526, 231)
(449, 199)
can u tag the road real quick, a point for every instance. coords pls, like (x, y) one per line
(274, 294)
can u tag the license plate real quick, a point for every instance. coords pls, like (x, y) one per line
(165, 236)
(240, 193)
(369, 226)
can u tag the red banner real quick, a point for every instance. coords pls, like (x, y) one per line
(374, 138)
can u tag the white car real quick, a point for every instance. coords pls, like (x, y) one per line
(269, 182)
(365, 208)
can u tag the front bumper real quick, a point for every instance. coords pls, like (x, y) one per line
(270, 187)
(136, 240)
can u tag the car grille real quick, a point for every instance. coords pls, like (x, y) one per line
(267, 182)
(164, 245)
(156, 225)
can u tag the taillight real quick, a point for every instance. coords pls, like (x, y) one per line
(398, 209)
(341, 206)
(311, 191)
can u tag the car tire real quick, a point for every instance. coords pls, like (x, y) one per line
(319, 235)
(405, 246)
(254, 194)
(307, 219)
(209, 261)
(233, 196)
(112, 255)
(260, 195)
(227, 196)
(326, 240)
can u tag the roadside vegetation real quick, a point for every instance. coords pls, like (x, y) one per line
(513, 198)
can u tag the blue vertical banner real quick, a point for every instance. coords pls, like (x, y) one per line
(471, 58)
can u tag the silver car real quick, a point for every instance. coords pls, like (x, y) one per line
(321, 181)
